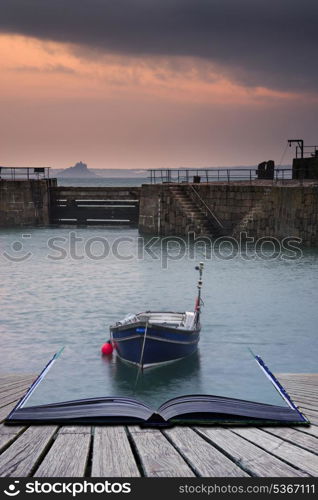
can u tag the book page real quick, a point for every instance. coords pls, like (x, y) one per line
(219, 371)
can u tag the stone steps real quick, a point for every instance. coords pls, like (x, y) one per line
(191, 210)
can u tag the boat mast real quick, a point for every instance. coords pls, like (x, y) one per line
(197, 308)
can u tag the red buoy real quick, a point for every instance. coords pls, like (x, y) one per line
(107, 348)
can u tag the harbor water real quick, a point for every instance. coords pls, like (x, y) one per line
(65, 286)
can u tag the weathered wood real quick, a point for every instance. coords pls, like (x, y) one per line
(8, 434)
(300, 387)
(22, 384)
(16, 392)
(295, 456)
(76, 429)
(15, 377)
(312, 430)
(247, 455)
(5, 410)
(158, 457)
(295, 437)
(68, 456)
(307, 403)
(203, 458)
(112, 453)
(311, 412)
(181, 451)
(21, 457)
(312, 417)
(11, 398)
(298, 394)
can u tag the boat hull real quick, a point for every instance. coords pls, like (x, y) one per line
(160, 345)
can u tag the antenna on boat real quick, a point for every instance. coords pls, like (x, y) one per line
(197, 308)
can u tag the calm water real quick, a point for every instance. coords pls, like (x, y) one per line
(102, 181)
(267, 305)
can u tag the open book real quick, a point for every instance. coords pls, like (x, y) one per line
(48, 399)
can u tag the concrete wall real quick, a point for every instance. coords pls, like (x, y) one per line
(24, 202)
(260, 210)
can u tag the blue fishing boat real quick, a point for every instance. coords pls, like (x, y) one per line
(153, 337)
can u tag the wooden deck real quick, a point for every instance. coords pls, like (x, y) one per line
(95, 451)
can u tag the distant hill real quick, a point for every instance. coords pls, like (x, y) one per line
(79, 170)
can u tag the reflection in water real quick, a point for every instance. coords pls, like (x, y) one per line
(157, 384)
(268, 305)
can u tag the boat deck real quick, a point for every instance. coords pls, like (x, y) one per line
(119, 451)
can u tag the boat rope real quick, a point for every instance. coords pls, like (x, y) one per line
(141, 367)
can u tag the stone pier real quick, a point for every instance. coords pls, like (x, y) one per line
(25, 202)
(260, 209)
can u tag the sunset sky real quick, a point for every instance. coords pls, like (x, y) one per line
(156, 83)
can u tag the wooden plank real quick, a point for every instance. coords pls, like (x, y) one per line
(298, 376)
(204, 458)
(305, 406)
(311, 415)
(312, 430)
(302, 396)
(76, 429)
(301, 389)
(5, 410)
(15, 377)
(300, 393)
(68, 456)
(15, 385)
(13, 392)
(251, 458)
(302, 385)
(11, 398)
(112, 454)
(306, 403)
(158, 457)
(306, 441)
(295, 456)
(9, 429)
(311, 411)
(8, 434)
(20, 459)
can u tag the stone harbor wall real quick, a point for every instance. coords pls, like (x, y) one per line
(25, 202)
(259, 210)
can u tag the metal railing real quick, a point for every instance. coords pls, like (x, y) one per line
(24, 173)
(189, 175)
(205, 208)
(306, 151)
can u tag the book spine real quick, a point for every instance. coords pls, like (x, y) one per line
(278, 386)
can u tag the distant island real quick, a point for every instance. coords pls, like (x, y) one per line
(81, 171)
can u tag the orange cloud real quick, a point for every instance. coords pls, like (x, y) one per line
(31, 68)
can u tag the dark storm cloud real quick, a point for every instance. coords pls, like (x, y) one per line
(260, 42)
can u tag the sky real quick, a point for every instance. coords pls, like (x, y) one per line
(156, 83)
